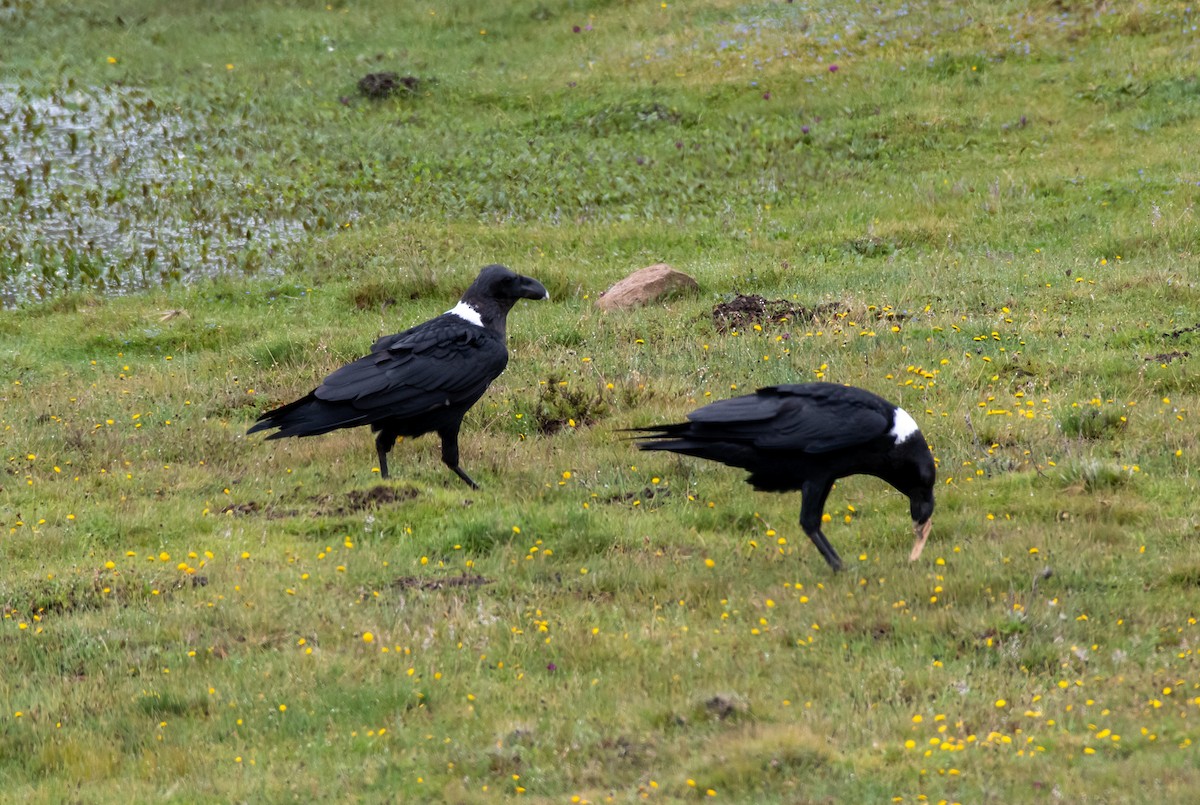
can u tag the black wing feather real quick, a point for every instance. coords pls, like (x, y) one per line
(445, 362)
(808, 417)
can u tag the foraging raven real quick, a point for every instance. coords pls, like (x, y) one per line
(805, 437)
(421, 380)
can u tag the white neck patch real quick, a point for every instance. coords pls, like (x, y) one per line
(465, 311)
(903, 426)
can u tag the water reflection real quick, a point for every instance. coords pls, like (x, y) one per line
(102, 188)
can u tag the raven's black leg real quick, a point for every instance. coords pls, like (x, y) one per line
(384, 441)
(812, 507)
(450, 453)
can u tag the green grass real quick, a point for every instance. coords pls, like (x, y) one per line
(994, 203)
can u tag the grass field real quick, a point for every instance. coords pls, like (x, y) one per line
(988, 208)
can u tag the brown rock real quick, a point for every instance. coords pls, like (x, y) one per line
(645, 286)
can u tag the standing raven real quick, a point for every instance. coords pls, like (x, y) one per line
(806, 436)
(421, 380)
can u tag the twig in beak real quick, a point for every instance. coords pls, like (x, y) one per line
(922, 532)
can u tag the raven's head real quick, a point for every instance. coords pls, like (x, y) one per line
(493, 293)
(920, 474)
(503, 284)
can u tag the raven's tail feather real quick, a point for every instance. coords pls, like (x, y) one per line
(713, 451)
(678, 438)
(723, 448)
(657, 431)
(308, 416)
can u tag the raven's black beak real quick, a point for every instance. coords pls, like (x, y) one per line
(529, 288)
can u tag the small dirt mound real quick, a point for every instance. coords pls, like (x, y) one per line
(249, 507)
(449, 582)
(1195, 328)
(383, 85)
(1167, 357)
(648, 493)
(747, 310)
(724, 706)
(378, 496)
(362, 499)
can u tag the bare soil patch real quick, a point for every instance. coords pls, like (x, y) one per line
(445, 583)
(747, 310)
